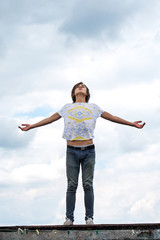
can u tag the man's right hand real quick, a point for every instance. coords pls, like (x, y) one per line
(25, 127)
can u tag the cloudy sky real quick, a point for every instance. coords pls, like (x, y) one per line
(47, 46)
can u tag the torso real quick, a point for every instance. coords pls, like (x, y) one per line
(79, 122)
(80, 142)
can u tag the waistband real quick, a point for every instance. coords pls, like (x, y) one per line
(81, 147)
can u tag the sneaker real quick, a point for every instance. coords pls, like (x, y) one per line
(68, 222)
(89, 221)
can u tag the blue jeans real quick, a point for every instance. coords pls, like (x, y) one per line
(74, 159)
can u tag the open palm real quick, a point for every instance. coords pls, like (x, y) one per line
(25, 127)
(138, 125)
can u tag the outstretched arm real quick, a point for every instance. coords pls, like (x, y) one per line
(119, 120)
(52, 118)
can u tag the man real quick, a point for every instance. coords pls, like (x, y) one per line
(79, 124)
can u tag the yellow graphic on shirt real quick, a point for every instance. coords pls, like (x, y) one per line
(79, 114)
(79, 138)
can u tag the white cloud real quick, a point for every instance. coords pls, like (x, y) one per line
(10, 137)
(130, 192)
(100, 18)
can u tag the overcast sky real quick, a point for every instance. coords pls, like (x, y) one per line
(47, 46)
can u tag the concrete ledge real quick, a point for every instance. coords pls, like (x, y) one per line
(82, 232)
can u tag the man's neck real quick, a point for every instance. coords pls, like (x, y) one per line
(80, 98)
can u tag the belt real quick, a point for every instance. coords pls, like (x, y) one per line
(82, 148)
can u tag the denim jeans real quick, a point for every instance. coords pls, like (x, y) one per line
(74, 159)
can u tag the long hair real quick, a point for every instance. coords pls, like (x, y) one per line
(73, 90)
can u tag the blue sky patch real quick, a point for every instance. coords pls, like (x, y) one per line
(44, 111)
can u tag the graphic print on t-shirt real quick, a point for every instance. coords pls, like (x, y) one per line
(79, 114)
(79, 124)
(79, 120)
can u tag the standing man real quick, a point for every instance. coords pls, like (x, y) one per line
(79, 124)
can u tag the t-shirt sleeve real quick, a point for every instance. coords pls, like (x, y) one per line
(99, 110)
(62, 111)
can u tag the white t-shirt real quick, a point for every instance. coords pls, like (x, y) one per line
(79, 120)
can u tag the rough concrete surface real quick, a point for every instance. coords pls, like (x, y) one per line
(82, 232)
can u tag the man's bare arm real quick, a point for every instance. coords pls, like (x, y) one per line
(119, 120)
(45, 121)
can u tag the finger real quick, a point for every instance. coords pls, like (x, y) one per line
(142, 125)
(22, 128)
(138, 121)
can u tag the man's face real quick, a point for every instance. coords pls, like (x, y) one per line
(81, 88)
